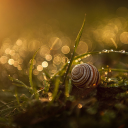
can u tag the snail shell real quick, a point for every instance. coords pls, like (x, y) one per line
(85, 76)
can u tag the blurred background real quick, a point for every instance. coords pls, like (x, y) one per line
(52, 26)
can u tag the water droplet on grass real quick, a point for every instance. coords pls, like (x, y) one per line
(122, 51)
(105, 51)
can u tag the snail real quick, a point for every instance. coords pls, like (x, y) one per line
(85, 76)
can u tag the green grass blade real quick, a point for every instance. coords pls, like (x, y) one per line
(115, 70)
(79, 35)
(46, 74)
(83, 56)
(16, 80)
(7, 104)
(17, 98)
(59, 72)
(55, 91)
(76, 44)
(67, 89)
(20, 83)
(30, 70)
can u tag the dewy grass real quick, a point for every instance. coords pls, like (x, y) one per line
(30, 76)
(113, 69)
(17, 98)
(67, 88)
(32, 88)
(20, 83)
(75, 47)
(62, 71)
(55, 91)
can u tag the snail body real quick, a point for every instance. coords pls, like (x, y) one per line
(85, 76)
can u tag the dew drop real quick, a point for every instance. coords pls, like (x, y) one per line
(105, 50)
(109, 79)
(99, 52)
(79, 59)
(111, 50)
(122, 51)
(80, 106)
(106, 73)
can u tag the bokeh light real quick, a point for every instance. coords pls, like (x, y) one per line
(11, 61)
(57, 59)
(65, 49)
(44, 51)
(35, 72)
(124, 37)
(7, 50)
(12, 52)
(15, 64)
(19, 67)
(82, 48)
(55, 43)
(45, 64)
(39, 68)
(19, 42)
(122, 11)
(48, 57)
(3, 59)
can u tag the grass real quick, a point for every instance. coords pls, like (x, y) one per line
(58, 105)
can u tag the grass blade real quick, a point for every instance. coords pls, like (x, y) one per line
(46, 74)
(16, 80)
(20, 83)
(76, 44)
(30, 70)
(17, 98)
(30, 76)
(113, 69)
(55, 91)
(79, 35)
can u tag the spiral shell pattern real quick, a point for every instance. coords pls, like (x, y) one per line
(85, 76)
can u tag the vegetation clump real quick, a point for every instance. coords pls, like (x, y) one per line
(59, 104)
